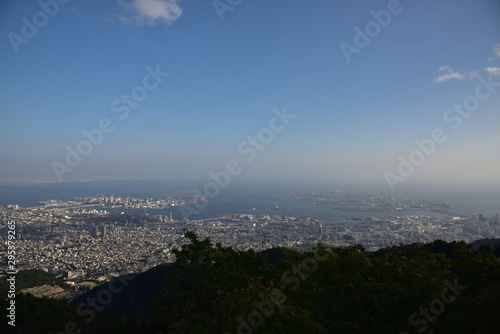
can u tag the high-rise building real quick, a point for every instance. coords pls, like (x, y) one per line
(498, 218)
(103, 231)
(95, 232)
(383, 226)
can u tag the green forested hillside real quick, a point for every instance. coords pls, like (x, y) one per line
(30, 278)
(437, 288)
(422, 288)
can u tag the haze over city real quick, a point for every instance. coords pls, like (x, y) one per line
(182, 87)
(233, 166)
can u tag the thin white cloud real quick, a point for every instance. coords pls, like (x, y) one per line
(444, 68)
(473, 74)
(451, 75)
(493, 70)
(496, 48)
(150, 12)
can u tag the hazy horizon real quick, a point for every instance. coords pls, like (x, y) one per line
(390, 93)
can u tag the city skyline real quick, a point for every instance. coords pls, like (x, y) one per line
(383, 92)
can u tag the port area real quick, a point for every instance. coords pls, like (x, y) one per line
(365, 201)
(111, 202)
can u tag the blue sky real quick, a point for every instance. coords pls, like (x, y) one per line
(354, 116)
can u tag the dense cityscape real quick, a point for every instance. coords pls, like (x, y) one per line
(230, 166)
(81, 241)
